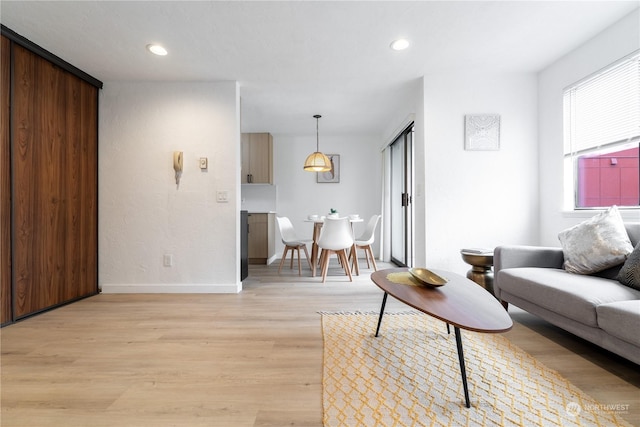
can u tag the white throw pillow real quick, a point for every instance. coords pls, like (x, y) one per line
(596, 244)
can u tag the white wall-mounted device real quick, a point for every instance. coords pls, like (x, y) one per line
(204, 163)
(177, 164)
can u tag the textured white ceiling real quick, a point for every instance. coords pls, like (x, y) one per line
(294, 59)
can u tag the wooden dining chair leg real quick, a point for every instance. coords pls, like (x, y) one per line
(355, 259)
(353, 256)
(342, 254)
(314, 259)
(373, 260)
(367, 249)
(299, 263)
(306, 253)
(284, 256)
(324, 263)
(320, 264)
(291, 262)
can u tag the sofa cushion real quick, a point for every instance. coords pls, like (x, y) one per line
(572, 295)
(633, 230)
(630, 273)
(621, 319)
(596, 244)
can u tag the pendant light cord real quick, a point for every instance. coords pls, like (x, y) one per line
(317, 116)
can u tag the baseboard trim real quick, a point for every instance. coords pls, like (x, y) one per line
(168, 288)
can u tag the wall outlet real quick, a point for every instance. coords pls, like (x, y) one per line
(167, 260)
(222, 196)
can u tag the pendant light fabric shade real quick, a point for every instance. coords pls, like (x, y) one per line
(317, 161)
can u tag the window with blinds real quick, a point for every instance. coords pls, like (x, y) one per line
(602, 136)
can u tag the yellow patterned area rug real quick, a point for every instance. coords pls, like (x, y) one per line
(410, 376)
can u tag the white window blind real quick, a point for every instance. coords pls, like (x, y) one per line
(603, 110)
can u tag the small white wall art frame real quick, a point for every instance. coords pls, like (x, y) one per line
(332, 176)
(482, 132)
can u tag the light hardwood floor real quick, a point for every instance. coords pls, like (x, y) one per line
(248, 359)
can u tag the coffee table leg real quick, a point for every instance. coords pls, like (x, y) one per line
(384, 301)
(462, 368)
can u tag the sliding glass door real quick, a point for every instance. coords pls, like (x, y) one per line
(401, 197)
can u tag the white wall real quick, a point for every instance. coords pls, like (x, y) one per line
(142, 213)
(612, 44)
(478, 198)
(299, 195)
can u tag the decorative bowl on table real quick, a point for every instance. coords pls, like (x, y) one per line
(427, 277)
(354, 217)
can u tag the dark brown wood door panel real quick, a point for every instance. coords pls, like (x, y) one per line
(54, 176)
(6, 314)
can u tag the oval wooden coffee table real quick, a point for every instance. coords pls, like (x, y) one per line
(460, 302)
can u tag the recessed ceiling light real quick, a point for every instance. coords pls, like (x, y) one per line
(156, 49)
(400, 44)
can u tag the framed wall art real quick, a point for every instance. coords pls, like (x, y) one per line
(332, 176)
(482, 132)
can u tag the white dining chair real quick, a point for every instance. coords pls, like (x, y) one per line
(336, 237)
(291, 243)
(364, 242)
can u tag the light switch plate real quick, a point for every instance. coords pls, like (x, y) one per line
(167, 260)
(204, 163)
(222, 196)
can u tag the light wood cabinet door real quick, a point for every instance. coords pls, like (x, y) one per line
(257, 158)
(245, 171)
(258, 238)
(261, 245)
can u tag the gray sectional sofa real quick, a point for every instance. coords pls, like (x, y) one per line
(595, 307)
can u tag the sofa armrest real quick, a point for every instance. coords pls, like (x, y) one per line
(517, 256)
(513, 256)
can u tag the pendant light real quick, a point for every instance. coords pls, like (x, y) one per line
(317, 162)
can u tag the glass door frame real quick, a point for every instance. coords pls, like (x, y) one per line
(402, 239)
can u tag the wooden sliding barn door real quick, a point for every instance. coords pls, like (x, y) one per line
(54, 183)
(6, 314)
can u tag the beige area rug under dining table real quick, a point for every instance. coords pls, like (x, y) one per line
(410, 376)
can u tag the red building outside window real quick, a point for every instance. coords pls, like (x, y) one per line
(609, 179)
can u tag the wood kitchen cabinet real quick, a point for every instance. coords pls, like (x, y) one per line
(257, 158)
(261, 237)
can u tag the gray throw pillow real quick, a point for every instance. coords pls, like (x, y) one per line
(630, 273)
(596, 244)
